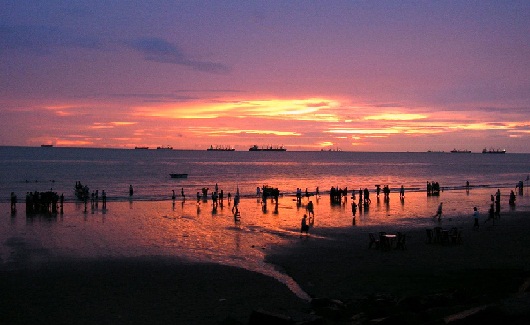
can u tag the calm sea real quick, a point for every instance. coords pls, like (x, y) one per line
(40, 169)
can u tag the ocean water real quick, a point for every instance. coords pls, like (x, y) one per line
(40, 169)
(151, 223)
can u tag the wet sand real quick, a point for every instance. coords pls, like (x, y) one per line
(332, 263)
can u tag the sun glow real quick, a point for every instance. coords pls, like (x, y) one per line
(299, 109)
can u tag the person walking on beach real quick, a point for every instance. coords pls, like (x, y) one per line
(402, 192)
(131, 191)
(439, 212)
(475, 216)
(182, 193)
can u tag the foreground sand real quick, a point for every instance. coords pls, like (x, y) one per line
(490, 265)
(152, 290)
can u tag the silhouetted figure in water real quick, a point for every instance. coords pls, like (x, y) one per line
(367, 200)
(520, 186)
(310, 209)
(386, 192)
(304, 226)
(498, 203)
(298, 195)
(237, 214)
(205, 193)
(378, 189)
(104, 199)
(402, 192)
(61, 202)
(353, 211)
(512, 199)
(131, 190)
(214, 199)
(173, 196)
(13, 203)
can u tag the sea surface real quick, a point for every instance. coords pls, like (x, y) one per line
(152, 223)
(113, 170)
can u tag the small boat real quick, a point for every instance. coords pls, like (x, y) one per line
(460, 151)
(178, 175)
(141, 148)
(46, 145)
(164, 148)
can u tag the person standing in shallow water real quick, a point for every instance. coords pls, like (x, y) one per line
(498, 203)
(310, 209)
(131, 191)
(13, 203)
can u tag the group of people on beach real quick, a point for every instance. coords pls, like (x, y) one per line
(433, 188)
(43, 202)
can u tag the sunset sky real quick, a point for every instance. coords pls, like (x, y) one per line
(309, 75)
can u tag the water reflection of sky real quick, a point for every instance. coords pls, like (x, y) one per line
(200, 233)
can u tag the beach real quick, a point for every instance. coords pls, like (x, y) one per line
(126, 282)
(490, 264)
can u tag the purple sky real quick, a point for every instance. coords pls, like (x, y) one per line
(310, 75)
